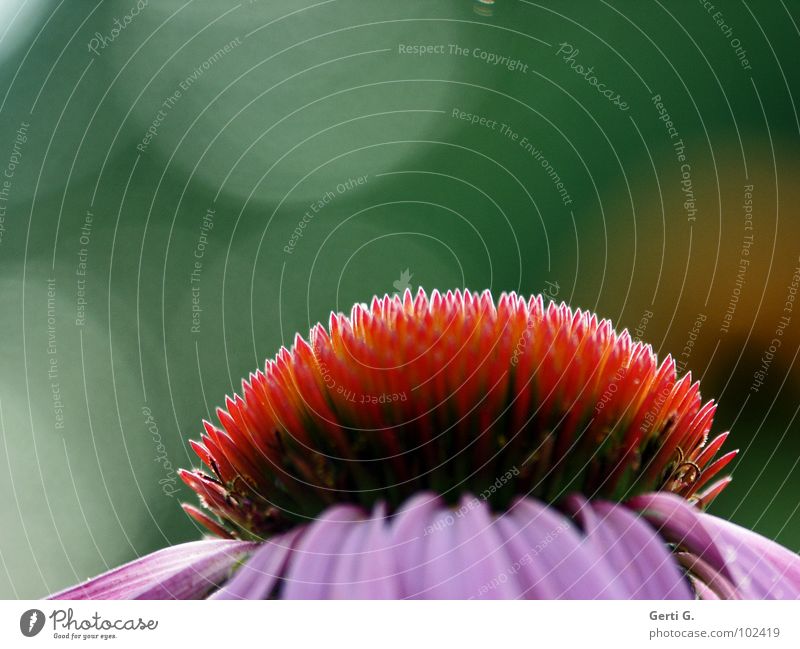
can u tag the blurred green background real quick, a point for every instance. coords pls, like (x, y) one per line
(157, 157)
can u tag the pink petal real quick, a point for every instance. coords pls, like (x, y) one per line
(430, 550)
(762, 568)
(703, 591)
(366, 569)
(530, 575)
(186, 571)
(467, 557)
(678, 522)
(440, 558)
(410, 528)
(756, 567)
(571, 567)
(485, 556)
(257, 578)
(313, 561)
(714, 584)
(643, 566)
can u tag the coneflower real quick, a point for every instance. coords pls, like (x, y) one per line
(451, 447)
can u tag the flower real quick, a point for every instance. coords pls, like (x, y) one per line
(448, 447)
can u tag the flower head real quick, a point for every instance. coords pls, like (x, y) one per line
(447, 394)
(454, 447)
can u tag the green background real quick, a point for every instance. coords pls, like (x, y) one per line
(307, 96)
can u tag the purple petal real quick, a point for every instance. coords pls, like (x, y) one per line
(678, 522)
(762, 569)
(572, 568)
(343, 574)
(313, 561)
(366, 569)
(703, 591)
(429, 550)
(257, 578)
(466, 556)
(643, 566)
(530, 575)
(440, 560)
(756, 567)
(786, 561)
(708, 582)
(484, 554)
(186, 571)
(377, 575)
(411, 527)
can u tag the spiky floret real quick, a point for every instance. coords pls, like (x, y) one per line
(456, 394)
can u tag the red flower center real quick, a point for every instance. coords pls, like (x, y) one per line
(454, 394)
